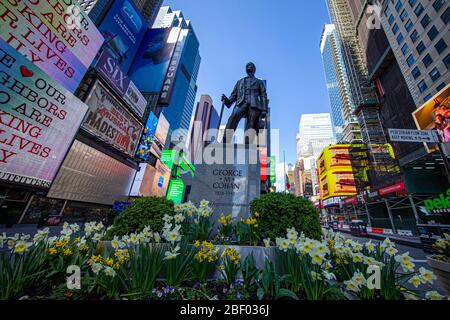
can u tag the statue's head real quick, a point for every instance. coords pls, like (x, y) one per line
(251, 69)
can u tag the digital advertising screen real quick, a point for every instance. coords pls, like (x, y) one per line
(60, 39)
(123, 29)
(35, 133)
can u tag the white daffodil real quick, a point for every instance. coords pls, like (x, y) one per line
(308, 246)
(167, 218)
(169, 255)
(266, 243)
(316, 257)
(178, 207)
(391, 251)
(97, 237)
(329, 275)
(110, 272)
(179, 218)
(433, 295)
(359, 279)
(21, 247)
(292, 233)
(426, 276)
(386, 243)
(406, 262)
(284, 245)
(172, 236)
(322, 248)
(357, 246)
(351, 286)
(204, 203)
(358, 257)
(315, 276)
(96, 267)
(415, 281)
(370, 246)
(134, 238)
(156, 237)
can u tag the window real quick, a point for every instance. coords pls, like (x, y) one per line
(408, 25)
(404, 15)
(387, 11)
(428, 97)
(447, 61)
(427, 60)
(425, 21)
(440, 87)
(422, 86)
(395, 29)
(435, 74)
(432, 34)
(391, 20)
(414, 35)
(412, 3)
(437, 5)
(410, 60)
(405, 49)
(400, 38)
(398, 6)
(416, 72)
(420, 48)
(446, 15)
(419, 9)
(440, 46)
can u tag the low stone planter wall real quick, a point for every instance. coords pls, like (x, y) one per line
(442, 271)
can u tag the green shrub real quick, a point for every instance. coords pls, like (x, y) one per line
(143, 212)
(279, 211)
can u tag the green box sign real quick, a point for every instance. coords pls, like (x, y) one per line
(176, 191)
(440, 203)
(273, 169)
(168, 158)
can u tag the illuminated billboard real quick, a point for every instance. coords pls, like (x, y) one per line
(161, 134)
(337, 183)
(148, 136)
(57, 37)
(36, 128)
(123, 29)
(151, 181)
(435, 114)
(153, 57)
(176, 191)
(337, 156)
(109, 120)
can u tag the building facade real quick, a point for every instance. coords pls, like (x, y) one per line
(315, 133)
(205, 119)
(97, 9)
(418, 32)
(342, 108)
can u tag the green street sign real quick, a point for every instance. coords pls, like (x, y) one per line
(176, 191)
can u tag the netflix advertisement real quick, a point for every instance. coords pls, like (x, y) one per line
(109, 120)
(57, 36)
(38, 121)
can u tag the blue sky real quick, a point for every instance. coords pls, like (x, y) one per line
(281, 38)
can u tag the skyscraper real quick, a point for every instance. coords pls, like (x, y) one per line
(342, 107)
(418, 32)
(166, 68)
(206, 118)
(315, 133)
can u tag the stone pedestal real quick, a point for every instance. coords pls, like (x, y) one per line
(229, 178)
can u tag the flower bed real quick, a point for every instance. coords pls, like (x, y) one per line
(184, 261)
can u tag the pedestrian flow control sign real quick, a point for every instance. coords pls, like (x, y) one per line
(407, 135)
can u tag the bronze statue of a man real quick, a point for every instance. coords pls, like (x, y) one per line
(250, 97)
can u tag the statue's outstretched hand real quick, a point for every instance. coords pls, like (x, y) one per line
(226, 101)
